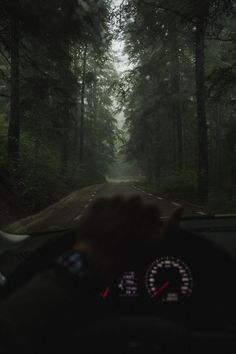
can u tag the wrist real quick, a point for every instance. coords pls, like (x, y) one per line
(75, 266)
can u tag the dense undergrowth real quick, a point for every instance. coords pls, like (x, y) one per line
(183, 186)
(38, 180)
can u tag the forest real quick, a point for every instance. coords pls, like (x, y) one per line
(60, 93)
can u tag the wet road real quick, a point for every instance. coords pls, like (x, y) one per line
(128, 189)
(67, 211)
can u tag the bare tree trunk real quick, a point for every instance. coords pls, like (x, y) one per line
(81, 152)
(65, 111)
(179, 124)
(203, 173)
(14, 119)
(65, 146)
(65, 150)
(177, 105)
(172, 124)
(218, 145)
(76, 129)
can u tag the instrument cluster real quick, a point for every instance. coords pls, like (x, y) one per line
(167, 279)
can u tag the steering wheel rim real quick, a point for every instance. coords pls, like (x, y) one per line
(135, 334)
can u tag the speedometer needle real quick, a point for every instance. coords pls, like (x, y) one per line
(158, 291)
(105, 293)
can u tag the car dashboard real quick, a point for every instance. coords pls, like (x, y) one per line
(188, 278)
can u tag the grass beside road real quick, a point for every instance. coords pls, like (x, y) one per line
(155, 191)
(57, 216)
(217, 202)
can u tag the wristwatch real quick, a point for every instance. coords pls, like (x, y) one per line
(72, 262)
(79, 271)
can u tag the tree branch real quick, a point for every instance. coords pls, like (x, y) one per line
(222, 39)
(5, 57)
(178, 13)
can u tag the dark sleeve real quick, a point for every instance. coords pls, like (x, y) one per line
(40, 316)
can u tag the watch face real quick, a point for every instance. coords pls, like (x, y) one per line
(73, 262)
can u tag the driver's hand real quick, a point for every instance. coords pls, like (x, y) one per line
(114, 229)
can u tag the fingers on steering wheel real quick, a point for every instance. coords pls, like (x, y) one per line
(99, 205)
(133, 207)
(172, 222)
(152, 214)
(102, 204)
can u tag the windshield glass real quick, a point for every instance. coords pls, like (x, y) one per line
(109, 97)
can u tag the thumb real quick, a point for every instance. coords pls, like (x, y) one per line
(172, 222)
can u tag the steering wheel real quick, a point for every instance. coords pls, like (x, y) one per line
(142, 334)
(135, 334)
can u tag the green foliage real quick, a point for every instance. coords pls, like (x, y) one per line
(61, 87)
(165, 135)
(182, 185)
(41, 180)
(220, 203)
(53, 36)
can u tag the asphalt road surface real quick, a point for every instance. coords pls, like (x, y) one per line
(67, 211)
(167, 206)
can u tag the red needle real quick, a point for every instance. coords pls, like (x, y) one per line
(105, 293)
(158, 291)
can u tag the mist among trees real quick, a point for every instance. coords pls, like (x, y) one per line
(60, 94)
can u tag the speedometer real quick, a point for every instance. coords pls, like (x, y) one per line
(169, 279)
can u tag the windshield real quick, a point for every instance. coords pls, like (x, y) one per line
(115, 97)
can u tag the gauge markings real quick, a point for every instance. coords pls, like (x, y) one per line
(177, 287)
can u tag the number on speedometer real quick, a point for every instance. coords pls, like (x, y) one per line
(169, 279)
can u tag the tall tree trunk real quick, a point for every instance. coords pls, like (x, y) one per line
(14, 119)
(95, 100)
(65, 110)
(218, 169)
(76, 129)
(76, 132)
(37, 141)
(177, 101)
(65, 150)
(172, 124)
(203, 173)
(66, 129)
(81, 152)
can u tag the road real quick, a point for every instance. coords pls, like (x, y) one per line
(67, 211)
(128, 190)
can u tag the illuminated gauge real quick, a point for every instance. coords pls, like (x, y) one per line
(128, 285)
(169, 279)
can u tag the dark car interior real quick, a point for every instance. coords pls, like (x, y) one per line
(177, 296)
